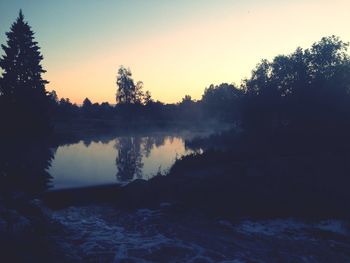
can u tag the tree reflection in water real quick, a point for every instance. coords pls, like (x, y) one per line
(24, 166)
(129, 159)
(130, 151)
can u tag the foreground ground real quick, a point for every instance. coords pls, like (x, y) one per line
(106, 234)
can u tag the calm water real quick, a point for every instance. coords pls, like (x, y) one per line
(115, 160)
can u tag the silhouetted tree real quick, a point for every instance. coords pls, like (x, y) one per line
(54, 103)
(126, 92)
(88, 108)
(221, 94)
(53, 96)
(139, 95)
(22, 89)
(147, 98)
(222, 101)
(187, 99)
(106, 110)
(66, 110)
(87, 103)
(304, 93)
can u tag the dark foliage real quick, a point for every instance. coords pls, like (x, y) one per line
(24, 101)
(306, 91)
(24, 167)
(222, 102)
(292, 156)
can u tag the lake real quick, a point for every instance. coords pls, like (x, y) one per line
(118, 159)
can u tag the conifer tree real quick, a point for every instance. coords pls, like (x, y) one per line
(24, 102)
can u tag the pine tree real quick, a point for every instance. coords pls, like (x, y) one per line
(24, 100)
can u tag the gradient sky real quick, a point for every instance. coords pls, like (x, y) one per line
(175, 47)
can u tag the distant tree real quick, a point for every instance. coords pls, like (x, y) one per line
(126, 91)
(308, 88)
(222, 101)
(105, 105)
(139, 95)
(106, 110)
(187, 99)
(147, 98)
(259, 80)
(87, 108)
(65, 101)
(54, 103)
(186, 102)
(66, 110)
(223, 93)
(288, 75)
(326, 56)
(87, 103)
(53, 96)
(22, 89)
(188, 110)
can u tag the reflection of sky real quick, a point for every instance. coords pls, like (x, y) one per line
(77, 165)
(176, 47)
(164, 156)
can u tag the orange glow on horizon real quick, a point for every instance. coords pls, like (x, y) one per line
(204, 51)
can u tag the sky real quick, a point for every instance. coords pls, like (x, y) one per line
(175, 47)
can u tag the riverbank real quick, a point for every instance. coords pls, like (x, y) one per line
(119, 224)
(106, 233)
(26, 228)
(222, 184)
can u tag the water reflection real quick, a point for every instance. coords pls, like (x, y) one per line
(129, 159)
(24, 166)
(117, 159)
(33, 167)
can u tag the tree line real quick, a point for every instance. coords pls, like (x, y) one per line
(308, 88)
